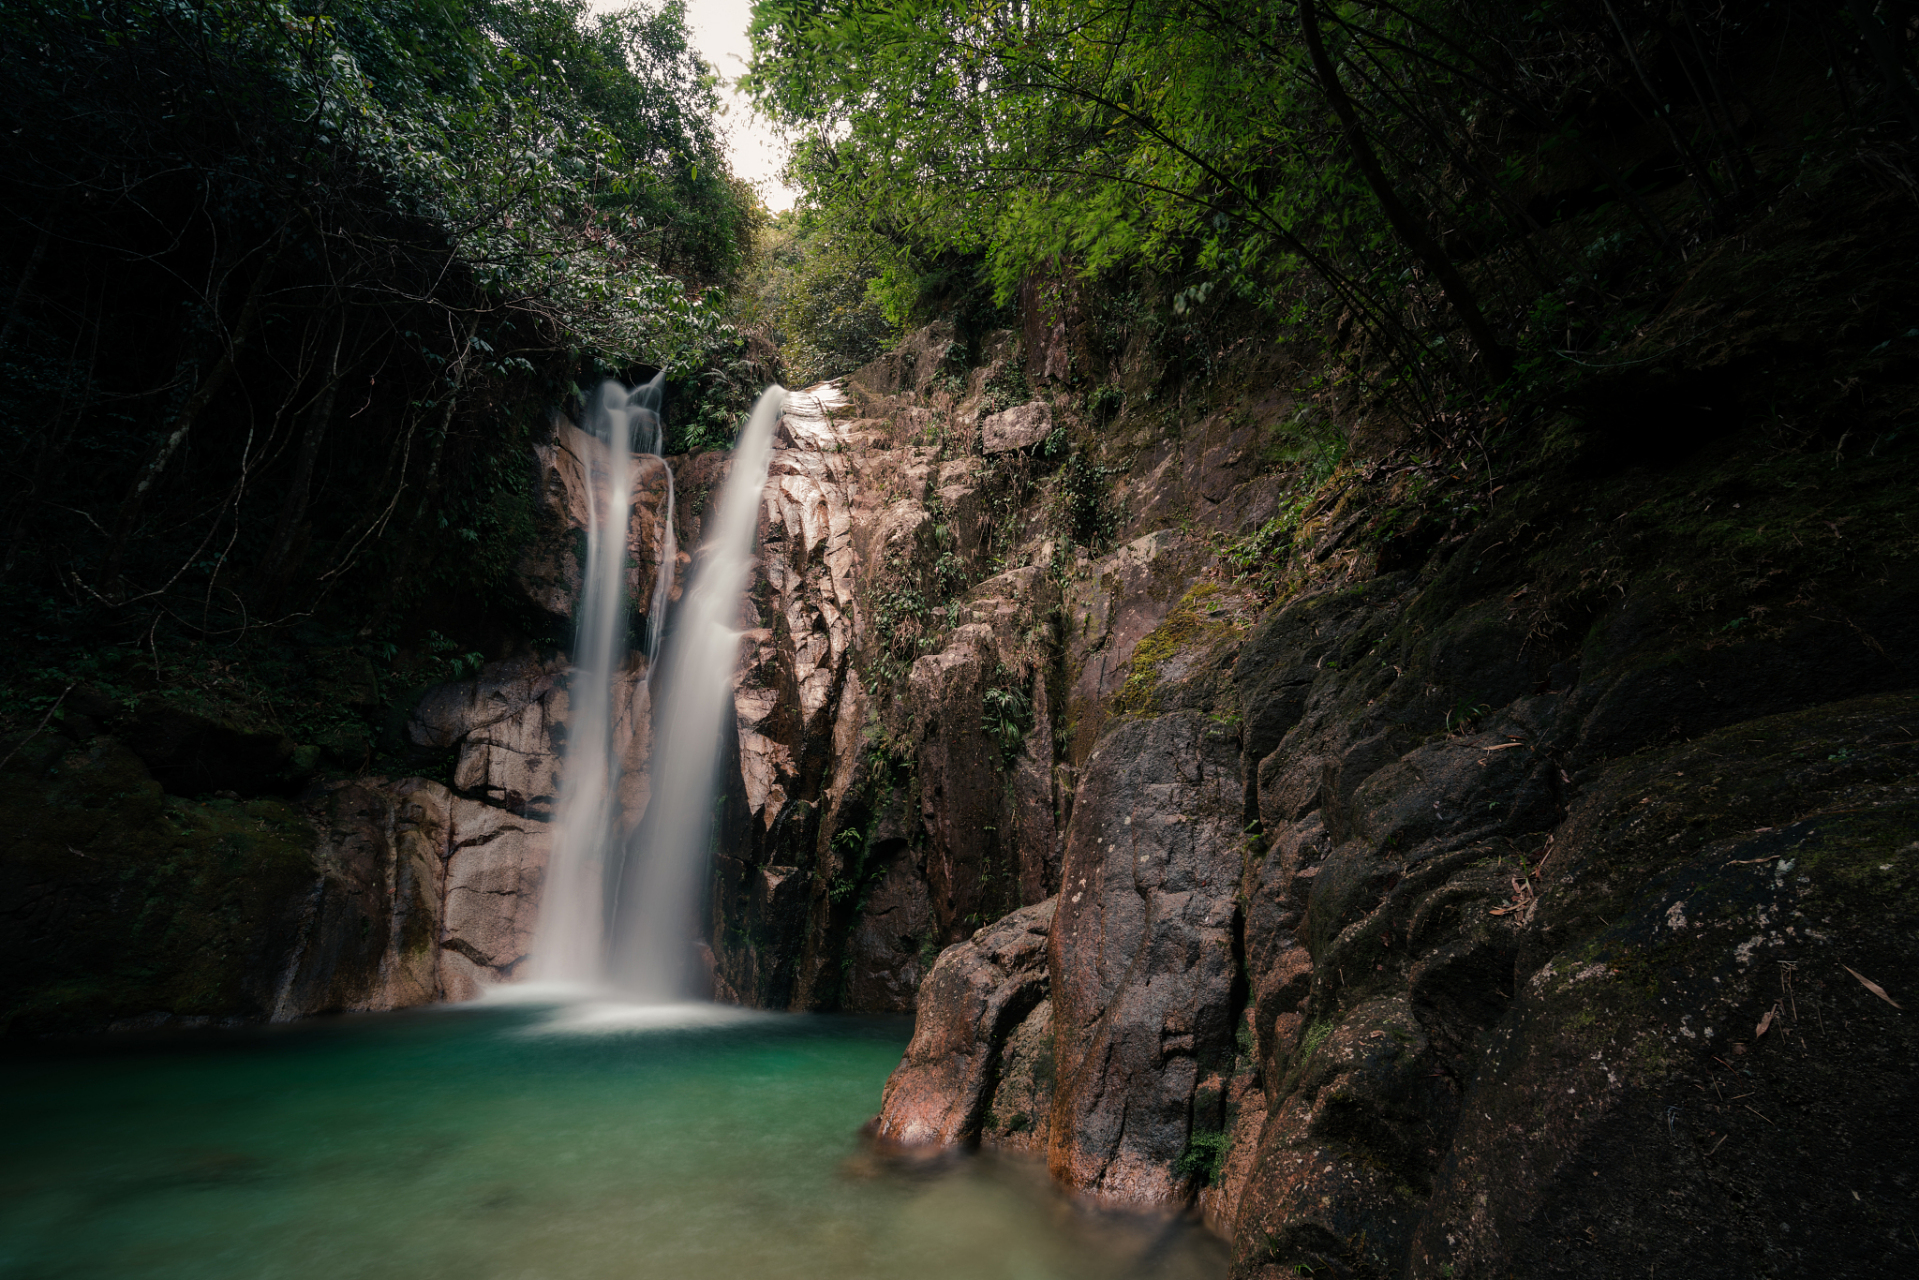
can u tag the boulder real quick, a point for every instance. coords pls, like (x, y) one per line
(193, 754)
(978, 992)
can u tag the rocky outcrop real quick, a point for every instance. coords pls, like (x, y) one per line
(1485, 903)
(1021, 427)
(1142, 956)
(137, 908)
(423, 896)
(571, 465)
(895, 784)
(978, 993)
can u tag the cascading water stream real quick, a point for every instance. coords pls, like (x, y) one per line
(654, 935)
(613, 914)
(570, 943)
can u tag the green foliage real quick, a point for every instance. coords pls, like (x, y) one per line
(1080, 132)
(851, 846)
(294, 286)
(830, 295)
(1315, 1035)
(1103, 403)
(901, 617)
(1006, 715)
(1429, 163)
(1006, 387)
(1312, 446)
(1204, 1158)
(1083, 509)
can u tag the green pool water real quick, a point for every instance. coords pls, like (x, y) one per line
(519, 1144)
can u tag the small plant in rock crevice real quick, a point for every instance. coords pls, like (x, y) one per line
(1103, 404)
(1083, 508)
(1204, 1158)
(1006, 715)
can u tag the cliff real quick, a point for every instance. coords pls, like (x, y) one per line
(1511, 879)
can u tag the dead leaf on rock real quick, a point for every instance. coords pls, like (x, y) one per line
(1872, 986)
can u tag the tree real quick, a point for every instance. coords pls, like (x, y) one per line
(1383, 160)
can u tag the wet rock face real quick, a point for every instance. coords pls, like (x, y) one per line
(1444, 935)
(572, 466)
(1710, 1040)
(508, 726)
(978, 993)
(422, 896)
(140, 909)
(1611, 1052)
(1113, 604)
(1142, 956)
(895, 760)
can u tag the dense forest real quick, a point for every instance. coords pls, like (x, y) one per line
(1464, 203)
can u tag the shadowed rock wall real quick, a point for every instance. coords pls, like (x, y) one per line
(1491, 904)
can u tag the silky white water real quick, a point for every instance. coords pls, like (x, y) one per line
(570, 943)
(619, 910)
(658, 897)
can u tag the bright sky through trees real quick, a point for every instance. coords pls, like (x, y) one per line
(718, 28)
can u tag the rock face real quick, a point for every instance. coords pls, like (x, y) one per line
(1018, 428)
(126, 903)
(423, 896)
(895, 783)
(1462, 903)
(571, 466)
(141, 909)
(978, 993)
(1141, 955)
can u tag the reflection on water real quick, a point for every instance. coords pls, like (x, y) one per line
(521, 1143)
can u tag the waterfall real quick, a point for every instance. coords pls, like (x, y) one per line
(661, 889)
(570, 944)
(622, 912)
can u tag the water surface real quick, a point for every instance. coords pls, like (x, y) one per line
(511, 1144)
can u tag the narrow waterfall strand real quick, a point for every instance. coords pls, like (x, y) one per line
(570, 945)
(669, 539)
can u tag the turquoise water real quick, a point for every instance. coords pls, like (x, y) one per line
(490, 1144)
